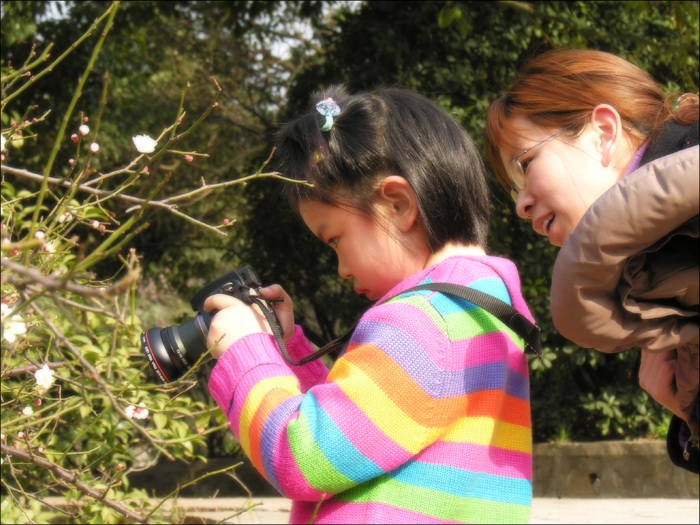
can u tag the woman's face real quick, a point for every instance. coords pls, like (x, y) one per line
(563, 175)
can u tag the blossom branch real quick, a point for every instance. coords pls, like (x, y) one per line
(53, 283)
(175, 492)
(29, 369)
(101, 384)
(110, 14)
(166, 203)
(37, 498)
(67, 52)
(71, 478)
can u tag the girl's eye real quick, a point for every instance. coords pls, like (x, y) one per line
(333, 242)
(525, 164)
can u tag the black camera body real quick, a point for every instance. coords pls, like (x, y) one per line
(172, 351)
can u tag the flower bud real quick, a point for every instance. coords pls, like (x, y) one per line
(94, 147)
(189, 159)
(84, 129)
(74, 137)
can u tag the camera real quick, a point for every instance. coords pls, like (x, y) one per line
(174, 350)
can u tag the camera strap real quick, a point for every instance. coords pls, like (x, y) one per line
(269, 313)
(508, 315)
(513, 319)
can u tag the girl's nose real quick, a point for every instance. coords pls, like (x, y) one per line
(343, 270)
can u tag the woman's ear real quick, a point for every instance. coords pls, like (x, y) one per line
(607, 125)
(399, 202)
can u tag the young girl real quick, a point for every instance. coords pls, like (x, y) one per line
(425, 415)
(606, 167)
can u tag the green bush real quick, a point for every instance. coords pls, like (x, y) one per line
(80, 412)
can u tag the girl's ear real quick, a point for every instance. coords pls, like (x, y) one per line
(607, 124)
(399, 202)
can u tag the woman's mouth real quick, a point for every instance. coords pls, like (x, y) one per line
(543, 225)
(546, 226)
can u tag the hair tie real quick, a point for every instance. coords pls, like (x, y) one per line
(329, 109)
(680, 99)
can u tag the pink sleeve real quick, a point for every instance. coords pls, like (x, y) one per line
(311, 373)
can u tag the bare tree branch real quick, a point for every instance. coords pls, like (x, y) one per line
(70, 477)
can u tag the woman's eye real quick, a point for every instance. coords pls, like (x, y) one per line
(525, 164)
(333, 242)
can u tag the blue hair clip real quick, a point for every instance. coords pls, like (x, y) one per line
(328, 108)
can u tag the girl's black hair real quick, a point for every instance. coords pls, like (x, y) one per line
(389, 131)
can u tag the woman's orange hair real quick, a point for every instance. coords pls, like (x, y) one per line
(560, 88)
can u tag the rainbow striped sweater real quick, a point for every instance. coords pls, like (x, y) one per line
(424, 417)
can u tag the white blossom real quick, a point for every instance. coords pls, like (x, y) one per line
(12, 325)
(84, 129)
(144, 143)
(27, 411)
(4, 141)
(137, 412)
(94, 147)
(44, 377)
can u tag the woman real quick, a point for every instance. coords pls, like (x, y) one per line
(606, 167)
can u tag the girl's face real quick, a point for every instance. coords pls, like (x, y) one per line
(375, 256)
(564, 176)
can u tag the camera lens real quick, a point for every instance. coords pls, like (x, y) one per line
(172, 351)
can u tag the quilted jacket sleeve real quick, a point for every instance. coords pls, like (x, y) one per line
(611, 290)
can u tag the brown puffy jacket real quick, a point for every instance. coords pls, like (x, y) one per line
(627, 277)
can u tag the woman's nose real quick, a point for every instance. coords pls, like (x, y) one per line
(523, 206)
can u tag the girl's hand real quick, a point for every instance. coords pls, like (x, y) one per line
(236, 319)
(233, 320)
(284, 309)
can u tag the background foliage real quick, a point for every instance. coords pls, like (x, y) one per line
(154, 70)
